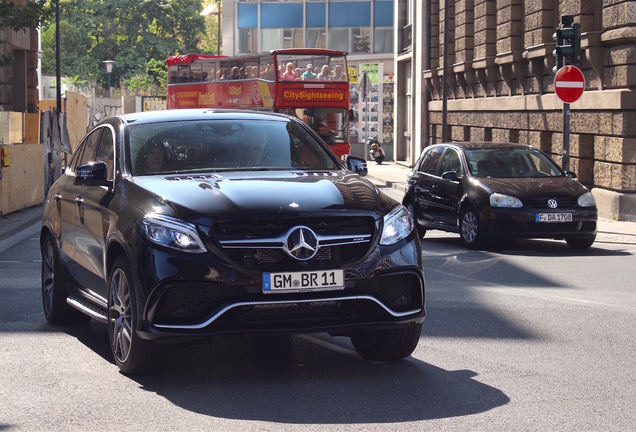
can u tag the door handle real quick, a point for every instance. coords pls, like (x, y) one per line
(57, 197)
(79, 200)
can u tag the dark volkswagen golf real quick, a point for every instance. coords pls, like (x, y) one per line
(180, 225)
(491, 190)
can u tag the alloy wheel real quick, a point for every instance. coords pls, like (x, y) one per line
(48, 277)
(120, 316)
(470, 227)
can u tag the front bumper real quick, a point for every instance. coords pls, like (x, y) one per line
(522, 223)
(386, 289)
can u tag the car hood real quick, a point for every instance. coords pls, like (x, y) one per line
(529, 187)
(271, 193)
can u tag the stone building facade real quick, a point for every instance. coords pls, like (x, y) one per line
(500, 84)
(19, 79)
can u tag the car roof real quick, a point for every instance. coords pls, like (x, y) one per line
(489, 145)
(199, 114)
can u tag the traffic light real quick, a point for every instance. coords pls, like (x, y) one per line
(568, 42)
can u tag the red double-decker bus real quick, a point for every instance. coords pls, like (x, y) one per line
(280, 81)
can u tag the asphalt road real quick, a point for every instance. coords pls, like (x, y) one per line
(531, 336)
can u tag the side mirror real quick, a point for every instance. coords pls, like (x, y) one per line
(92, 174)
(450, 175)
(570, 174)
(355, 164)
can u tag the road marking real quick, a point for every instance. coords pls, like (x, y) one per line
(19, 236)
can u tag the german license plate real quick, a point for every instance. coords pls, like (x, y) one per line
(303, 281)
(554, 217)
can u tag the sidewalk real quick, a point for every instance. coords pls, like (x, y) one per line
(388, 175)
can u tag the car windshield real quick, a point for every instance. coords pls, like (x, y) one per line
(224, 145)
(510, 163)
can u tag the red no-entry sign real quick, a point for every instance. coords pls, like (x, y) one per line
(569, 84)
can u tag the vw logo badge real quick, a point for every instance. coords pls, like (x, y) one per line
(552, 203)
(301, 243)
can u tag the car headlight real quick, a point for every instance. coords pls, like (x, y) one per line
(501, 200)
(173, 233)
(398, 224)
(587, 200)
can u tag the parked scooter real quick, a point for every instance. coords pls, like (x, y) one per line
(376, 151)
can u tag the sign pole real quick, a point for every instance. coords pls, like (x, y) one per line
(569, 85)
(566, 137)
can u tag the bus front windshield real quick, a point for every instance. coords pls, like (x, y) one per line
(330, 123)
(312, 67)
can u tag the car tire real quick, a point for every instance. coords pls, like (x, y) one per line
(387, 345)
(421, 231)
(470, 228)
(56, 309)
(132, 354)
(580, 243)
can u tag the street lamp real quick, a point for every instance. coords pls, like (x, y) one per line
(216, 10)
(109, 69)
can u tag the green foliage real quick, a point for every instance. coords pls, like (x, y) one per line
(152, 81)
(15, 17)
(138, 36)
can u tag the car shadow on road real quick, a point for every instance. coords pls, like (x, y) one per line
(313, 380)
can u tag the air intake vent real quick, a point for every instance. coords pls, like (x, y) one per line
(193, 177)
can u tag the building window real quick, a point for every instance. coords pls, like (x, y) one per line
(316, 38)
(361, 40)
(353, 40)
(383, 40)
(248, 40)
(339, 38)
(271, 39)
(278, 38)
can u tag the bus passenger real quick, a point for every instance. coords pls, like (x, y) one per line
(338, 75)
(324, 74)
(309, 73)
(290, 72)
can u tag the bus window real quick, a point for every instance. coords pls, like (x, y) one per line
(184, 73)
(209, 70)
(173, 74)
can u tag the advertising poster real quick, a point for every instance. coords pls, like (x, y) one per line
(353, 100)
(387, 111)
(370, 106)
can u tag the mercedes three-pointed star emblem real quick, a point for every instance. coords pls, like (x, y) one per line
(301, 243)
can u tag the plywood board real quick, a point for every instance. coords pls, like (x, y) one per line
(22, 183)
(10, 127)
(76, 115)
(75, 109)
(32, 128)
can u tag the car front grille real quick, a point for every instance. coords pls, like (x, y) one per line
(260, 245)
(259, 229)
(542, 203)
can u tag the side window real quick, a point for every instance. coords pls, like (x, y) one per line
(105, 151)
(85, 150)
(451, 162)
(431, 160)
(88, 154)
